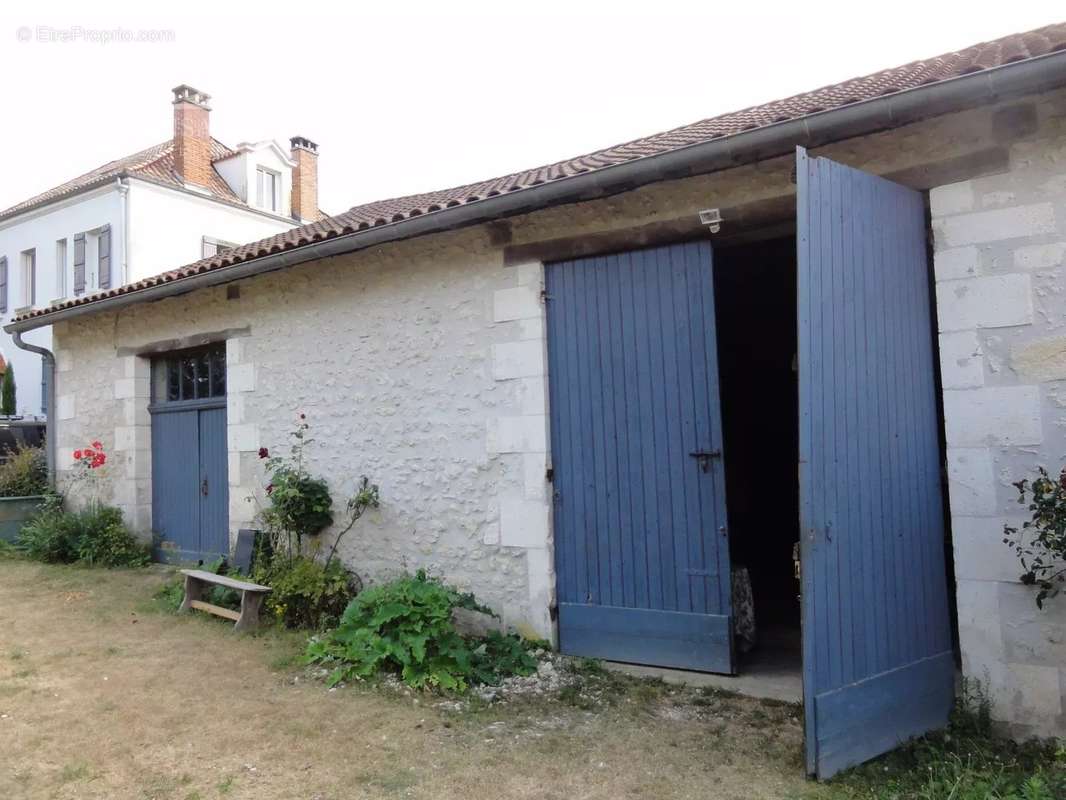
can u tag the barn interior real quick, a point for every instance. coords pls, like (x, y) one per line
(755, 292)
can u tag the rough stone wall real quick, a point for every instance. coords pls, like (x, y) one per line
(422, 365)
(1000, 259)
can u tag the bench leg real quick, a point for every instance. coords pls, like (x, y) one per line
(250, 605)
(194, 590)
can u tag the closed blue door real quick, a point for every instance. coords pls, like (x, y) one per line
(878, 666)
(190, 480)
(641, 551)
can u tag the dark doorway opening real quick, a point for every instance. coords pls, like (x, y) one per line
(755, 289)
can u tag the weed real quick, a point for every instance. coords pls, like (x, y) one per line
(77, 771)
(967, 761)
(225, 786)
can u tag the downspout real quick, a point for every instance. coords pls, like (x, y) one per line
(123, 186)
(49, 360)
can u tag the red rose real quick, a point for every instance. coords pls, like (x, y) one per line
(270, 488)
(98, 446)
(77, 455)
(264, 453)
(303, 416)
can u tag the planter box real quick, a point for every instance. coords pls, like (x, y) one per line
(14, 512)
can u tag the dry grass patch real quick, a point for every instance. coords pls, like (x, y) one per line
(102, 695)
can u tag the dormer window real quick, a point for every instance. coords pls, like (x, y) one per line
(268, 189)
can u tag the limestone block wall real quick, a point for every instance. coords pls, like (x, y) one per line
(1000, 265)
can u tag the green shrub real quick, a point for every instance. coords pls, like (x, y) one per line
(405, 626)
(25, 473)
(95, 535)
(305, 593)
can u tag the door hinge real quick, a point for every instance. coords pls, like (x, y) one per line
(544, 296)
(796, 566)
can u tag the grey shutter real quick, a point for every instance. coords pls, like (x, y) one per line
(33, 277)
(79, 263)
(3, 285)
(104, 258)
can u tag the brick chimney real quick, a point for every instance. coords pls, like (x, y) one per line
(192, 137)
(305, 180)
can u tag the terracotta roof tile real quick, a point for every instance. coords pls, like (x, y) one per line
(987, 55)
(155, 164)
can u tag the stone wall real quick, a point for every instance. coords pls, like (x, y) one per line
(1000, 258)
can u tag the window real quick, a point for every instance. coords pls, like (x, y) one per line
(61, 269)
(29, 278)
(212, 247)
(266, 192)
(3, 285)
(190, 375)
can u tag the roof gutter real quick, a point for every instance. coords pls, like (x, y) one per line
(891, 111)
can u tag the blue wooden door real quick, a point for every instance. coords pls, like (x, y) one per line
(878, 666)
(214, 482)
(190, 474)
(641, 551)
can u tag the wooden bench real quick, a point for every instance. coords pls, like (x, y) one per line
(252, 595)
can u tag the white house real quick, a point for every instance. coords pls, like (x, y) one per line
(184, 199)
(599, 392)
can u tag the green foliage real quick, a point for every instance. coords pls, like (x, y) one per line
(300, 504)
(405, 626)
(306, 593)
(94, 535)
(8, 391)
(965, 762)
(25, 473)
(1041, 541)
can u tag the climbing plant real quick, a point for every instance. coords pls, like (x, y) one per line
(1040, 543)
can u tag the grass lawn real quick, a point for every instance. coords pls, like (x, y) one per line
(102, 694)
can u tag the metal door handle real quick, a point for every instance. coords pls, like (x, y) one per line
(704, 457)
(203, 487)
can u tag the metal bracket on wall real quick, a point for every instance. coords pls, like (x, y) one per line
(712, 218)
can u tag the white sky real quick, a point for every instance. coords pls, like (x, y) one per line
(435, 94)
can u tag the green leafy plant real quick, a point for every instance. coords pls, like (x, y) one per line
(1041, 541)
(405, 626)
(95, 535)
(300, 504)
(8, 392)
(306, 593)
(25, 473)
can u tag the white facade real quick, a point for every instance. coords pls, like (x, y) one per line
(153, 228)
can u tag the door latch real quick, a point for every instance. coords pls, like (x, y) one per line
(704, 458)
(796, 567)
(203, 487)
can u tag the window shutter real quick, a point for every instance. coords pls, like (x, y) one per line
(104, 257)
(79, 263)
(3, 285)
(33, 277)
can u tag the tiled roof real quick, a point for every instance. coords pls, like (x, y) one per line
(987, 55)
(154, 164)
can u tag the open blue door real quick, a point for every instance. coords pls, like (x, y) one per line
(641, 551)
(878, 666)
